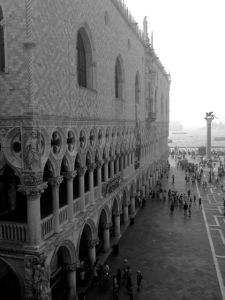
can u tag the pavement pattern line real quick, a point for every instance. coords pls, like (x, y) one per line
(218, 272)
(220, 232)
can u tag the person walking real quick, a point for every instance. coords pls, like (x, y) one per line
(139, 279)
(131, 295)
(171, 208)
(200, 201)
(118, 277)
(185, 208)
(173, 179)
(189, 210)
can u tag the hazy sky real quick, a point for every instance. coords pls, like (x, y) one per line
(189, 38)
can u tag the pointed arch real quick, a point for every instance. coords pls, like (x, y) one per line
(86, 65)
(119, 78)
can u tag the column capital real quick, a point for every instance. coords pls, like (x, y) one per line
(99, 163)
(70, 267)
(117, 214)
(106, 160)
(33, 191)
(81, 171)
(112, 158)
(92, 243)
(91, 167)
(106, 225)
(70, 174)
(55, 181)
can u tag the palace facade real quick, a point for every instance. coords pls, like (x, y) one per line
(84, 114)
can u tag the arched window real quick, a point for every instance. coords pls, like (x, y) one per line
(81, 62)
(2, 42)
(137, 88)
(118, 80)
(85, 65)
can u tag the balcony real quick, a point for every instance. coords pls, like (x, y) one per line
(151, 116)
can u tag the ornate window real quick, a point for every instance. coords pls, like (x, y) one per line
(81, 62)
(2, 42)
(118, 79)
(85, 65)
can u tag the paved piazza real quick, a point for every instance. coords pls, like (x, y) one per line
(180, 257)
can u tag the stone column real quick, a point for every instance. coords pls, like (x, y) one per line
(81, 173)
(92, 251)
(99, 172)
(71, 281)
(208, 144)
(91, 182)
(132, 203)
(55, 183)
(117, 164)
(117, 224)
(69, 187)
(106, 170)
(112, 168)
(33, 194)
(106, 236)
(125, 214)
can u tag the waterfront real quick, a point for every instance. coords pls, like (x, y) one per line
(195, 138)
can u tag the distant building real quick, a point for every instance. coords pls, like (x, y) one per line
(175, 126)
(84, 115)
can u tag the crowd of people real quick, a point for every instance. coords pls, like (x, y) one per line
(122, 278)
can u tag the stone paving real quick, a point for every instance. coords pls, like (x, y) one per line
(173, 253)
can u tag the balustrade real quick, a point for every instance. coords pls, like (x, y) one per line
(13, 232)
(47, 226)
(63, 214)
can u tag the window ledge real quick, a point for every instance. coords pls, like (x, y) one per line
(119, 99)
(87, 89)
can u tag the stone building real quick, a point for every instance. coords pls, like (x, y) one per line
(84, 112)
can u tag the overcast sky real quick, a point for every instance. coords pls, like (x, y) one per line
(189, 38)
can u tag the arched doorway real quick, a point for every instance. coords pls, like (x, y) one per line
(85, 255)
(103, 233)
(63, 277)
(9, 283)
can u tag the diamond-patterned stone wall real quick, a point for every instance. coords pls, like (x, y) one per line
(13, 83)
(55, 27)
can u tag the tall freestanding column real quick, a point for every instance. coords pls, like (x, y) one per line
(209, 117)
